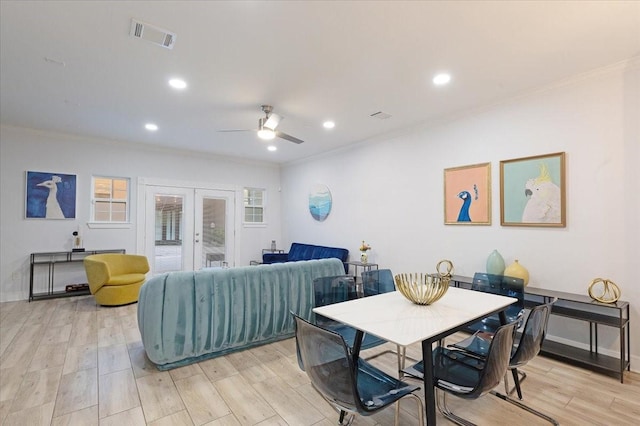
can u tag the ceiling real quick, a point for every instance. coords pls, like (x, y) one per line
(72, 66)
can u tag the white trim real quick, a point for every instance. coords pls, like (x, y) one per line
(109, 225)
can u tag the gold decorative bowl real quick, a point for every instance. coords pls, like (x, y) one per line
(422, 289)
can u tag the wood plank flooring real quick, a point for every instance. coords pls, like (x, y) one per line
(71, 362)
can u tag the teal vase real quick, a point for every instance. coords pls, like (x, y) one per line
(495, 263)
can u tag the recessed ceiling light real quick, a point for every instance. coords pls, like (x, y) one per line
(272, 148)
(329, 124)
(441, 79)
(177, 83)
(151, 127)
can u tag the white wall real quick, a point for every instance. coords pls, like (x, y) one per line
(389, 191)
(23, 149)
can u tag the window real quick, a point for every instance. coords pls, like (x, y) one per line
(254, 205)
(110, 199)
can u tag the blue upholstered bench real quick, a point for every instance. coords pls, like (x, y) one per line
(299, 251)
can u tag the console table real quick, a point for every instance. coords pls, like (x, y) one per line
(50, 259)
(582, 308)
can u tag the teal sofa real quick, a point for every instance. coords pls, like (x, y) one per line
(186, 317)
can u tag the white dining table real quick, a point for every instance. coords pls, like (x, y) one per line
(395, 319)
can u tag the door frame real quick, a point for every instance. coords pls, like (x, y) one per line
(141, 189)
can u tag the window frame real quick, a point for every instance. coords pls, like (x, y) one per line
(263, 206)
(94, 223)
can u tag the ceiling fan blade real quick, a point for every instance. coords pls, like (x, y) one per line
(290, 138)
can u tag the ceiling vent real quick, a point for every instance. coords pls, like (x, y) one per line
(153, 34)
(380, 115)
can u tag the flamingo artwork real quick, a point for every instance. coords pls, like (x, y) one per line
(53, 209)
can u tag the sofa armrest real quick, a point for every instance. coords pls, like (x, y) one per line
(97, 273)
(275, 257)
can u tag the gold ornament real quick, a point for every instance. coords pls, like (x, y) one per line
(610, 291)
(448, 264)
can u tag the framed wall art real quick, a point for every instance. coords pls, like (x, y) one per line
(50, 196)
(320, 202)
(532, 191)
(467, 195)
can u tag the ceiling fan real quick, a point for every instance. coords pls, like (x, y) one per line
(267, 127)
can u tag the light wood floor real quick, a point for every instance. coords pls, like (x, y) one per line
(70, 362)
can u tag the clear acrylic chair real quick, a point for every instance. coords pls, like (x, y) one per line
(351, 386)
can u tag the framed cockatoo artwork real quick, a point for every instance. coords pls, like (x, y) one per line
(532, 191)
(50, 195)
(467, 195)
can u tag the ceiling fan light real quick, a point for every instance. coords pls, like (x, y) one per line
(266, 134)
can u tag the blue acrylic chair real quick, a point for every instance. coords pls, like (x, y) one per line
(526, 346)
(505, 286)
(351, 386)
(335, 289)
(466, 376)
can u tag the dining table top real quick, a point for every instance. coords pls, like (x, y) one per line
(396, 319)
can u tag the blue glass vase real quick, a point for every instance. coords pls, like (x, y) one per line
(495, 263)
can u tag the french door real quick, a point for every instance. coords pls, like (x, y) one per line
(188, 228)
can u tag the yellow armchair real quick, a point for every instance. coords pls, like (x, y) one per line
(114, 278)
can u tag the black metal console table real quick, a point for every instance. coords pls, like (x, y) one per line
(50, 259)
(583, 308)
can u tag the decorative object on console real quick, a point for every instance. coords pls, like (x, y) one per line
(50, 196)
(422, 289)
(467, 195)
(495, 263)
(516, 270)
(364, 248)
(449, 268)
(610, 291)
(542, 181)
(77, 242)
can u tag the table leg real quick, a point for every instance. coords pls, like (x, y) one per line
(355, 351)
(429, 390)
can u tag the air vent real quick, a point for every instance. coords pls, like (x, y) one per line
(380, 115)
(153, 34)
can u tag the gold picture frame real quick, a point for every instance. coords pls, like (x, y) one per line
(533, 191)
(467, 195)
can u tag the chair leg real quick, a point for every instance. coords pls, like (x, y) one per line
(447, 413)
(350, 417)
(420, 411)
(525, 407)
(516, 381)
(518, 377)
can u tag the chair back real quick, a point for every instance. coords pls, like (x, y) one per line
(328, 363)
(334, 289)
(505, 286)
(377, 281)
(498, 358)
(533, 335)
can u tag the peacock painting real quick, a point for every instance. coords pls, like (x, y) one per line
(467, 195)
(51, 195)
